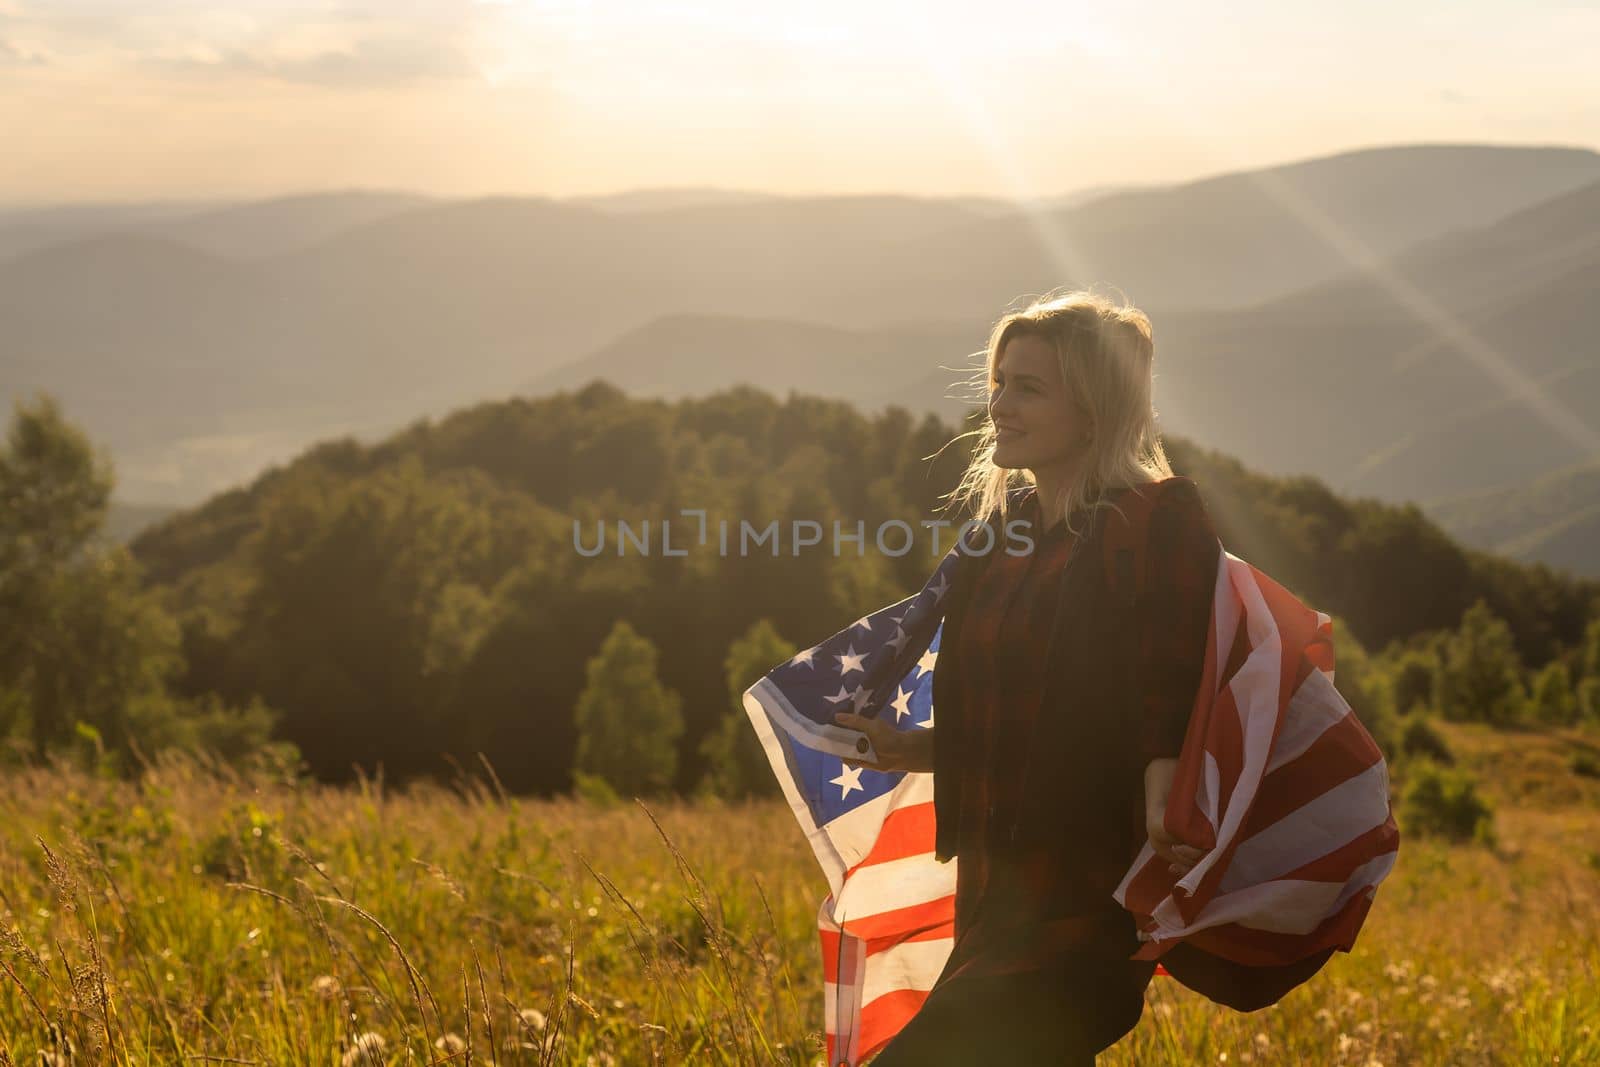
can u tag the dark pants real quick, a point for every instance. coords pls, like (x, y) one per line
(1061, 1015)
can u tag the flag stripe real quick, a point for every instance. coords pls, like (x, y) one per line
(906, 832)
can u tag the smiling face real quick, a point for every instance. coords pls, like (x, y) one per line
(1037, 422)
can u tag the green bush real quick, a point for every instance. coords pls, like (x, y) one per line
(595, 790)
(1444, 802)
(1412, 679)
(628, 722)
(1589, 700)
(1551, 700)
(1480, 674)
(1420, 738)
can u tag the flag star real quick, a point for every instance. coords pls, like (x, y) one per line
(860, 699)
(898, 640)
(805, 658)
(850, 660)
(927, 724)
(841, 696)
(929, 658)
(901, 704)
(939, 588)
(849, 778)
(862, 623)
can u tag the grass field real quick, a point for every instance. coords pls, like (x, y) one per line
(201, 916)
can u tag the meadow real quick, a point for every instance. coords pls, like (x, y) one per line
(204, 914)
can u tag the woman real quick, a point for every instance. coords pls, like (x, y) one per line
(1062, 694)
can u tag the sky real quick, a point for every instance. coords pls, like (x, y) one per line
(185, 99)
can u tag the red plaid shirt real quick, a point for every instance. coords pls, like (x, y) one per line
(1003, 898)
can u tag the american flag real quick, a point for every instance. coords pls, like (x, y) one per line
(1277, 780)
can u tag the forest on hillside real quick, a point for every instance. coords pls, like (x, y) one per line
(412, 603)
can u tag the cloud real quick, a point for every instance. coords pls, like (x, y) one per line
(13, 54)
(369, 63)
(331, 43)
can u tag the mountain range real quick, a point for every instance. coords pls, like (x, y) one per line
(1411, 322)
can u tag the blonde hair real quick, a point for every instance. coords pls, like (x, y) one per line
(1106, 351)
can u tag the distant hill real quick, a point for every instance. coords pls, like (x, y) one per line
(274, 227)
(689, 196)
(199, 367)
(1463, 364)
(1245, 237)
(1553, 519)
(634, 200)
(1398, 382)
(688, 355)
(125, 520)
(234, 230)
(24, 229)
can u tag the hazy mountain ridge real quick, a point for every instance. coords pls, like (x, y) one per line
(247, 230)
(169, 354)
(1554, 519)
(685, 355)
(1416, 368)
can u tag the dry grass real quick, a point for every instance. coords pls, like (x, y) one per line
(200, 916)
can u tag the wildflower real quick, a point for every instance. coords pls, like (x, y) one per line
(1364, 1029)
(531, 1018)
(325, 986)
(451, 1044)
(1501, 982)
(602, 1059)
(1324, 1016)
(365, 1048)
(1344, 1043)
(1427, 981)
(1263, 1042)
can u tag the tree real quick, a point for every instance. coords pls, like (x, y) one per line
(628, 722)
(1480, 676)
(1552, 700)
(1589, 700)
(364, 611)
(66, 648)
(736, 764)
(84, 651)
(1365, 687)
(1590, 662)
(1412, 679)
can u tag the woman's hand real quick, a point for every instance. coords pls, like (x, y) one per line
(1157, 788)
(898, 750)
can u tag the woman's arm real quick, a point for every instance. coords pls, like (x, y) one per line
(1173, 613)
(1158, 775)
(898, 750)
